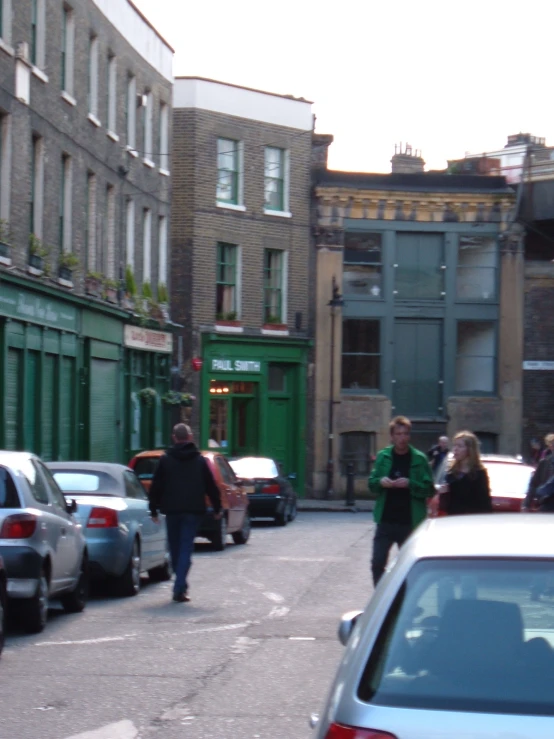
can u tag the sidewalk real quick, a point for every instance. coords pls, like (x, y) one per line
(334, 506)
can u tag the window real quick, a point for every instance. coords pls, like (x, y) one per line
(8, 492)
(146, 245)
(133, 488)
(130, 232)
(6, 20)
(68, 33)
(358, 449)
(148, 153)
(110, 235)
(93, 77)
(476, 269)
(112, 93)
(37, 186)
(277, 378)
(273, 286)
(361, 354)
(488, 444)
(131, 112)
(218, 424)
(226, 282)
(162, 252)
(65, 204)
(362, 264)
(37, 32)
(164, 137)
(476, 357)
(35, 481)
(90, 223)
(228, 171)
(419, 268)
(275, 179)
(55, 493)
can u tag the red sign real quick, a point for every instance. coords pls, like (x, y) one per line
(196, 364)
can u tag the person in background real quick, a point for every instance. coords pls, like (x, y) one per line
(402, 481)
(466, 488)
(549, 446)
(536, 452)
(438, 452)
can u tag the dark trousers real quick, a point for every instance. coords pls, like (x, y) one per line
(181, 532)
(386, 534)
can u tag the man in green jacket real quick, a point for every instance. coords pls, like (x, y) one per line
(402, 481)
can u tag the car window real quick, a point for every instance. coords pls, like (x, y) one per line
(133, 488)
(87, 482)
(36, 483)
(225, 472)
(254, 467)
(8, 492)
(229, 470)
(55, 492)
(145, 467)
(466, 635)
(508, 479)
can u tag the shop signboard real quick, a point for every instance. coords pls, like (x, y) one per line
(147, 339)
(27, 306)
(235, 365)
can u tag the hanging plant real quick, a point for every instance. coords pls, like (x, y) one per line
(148, 395)
(174, 398)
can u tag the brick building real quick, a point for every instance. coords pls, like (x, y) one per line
(240, 264)
(85, 116)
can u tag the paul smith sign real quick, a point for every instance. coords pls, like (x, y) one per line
(235, 365)
(147, 339)
(36, 309)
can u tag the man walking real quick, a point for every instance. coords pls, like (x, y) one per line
(401, 480)
(438, 452)
(179, 488)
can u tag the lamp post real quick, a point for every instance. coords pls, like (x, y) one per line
(335, 302)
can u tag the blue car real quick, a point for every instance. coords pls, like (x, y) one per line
(112, 508)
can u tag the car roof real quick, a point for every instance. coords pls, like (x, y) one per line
(109, 467)
(487, 535)
(15, 459)
(508, 459)
(252, 459)
(150, 453)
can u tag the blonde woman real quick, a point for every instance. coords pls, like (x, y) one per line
(466, 488)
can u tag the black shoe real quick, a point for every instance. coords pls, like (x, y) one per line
(181, 598)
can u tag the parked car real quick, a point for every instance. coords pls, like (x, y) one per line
(451, 644)
(3, 602)
(235, 519)
(271, 495)
(509, 479)
(112, 508)
(42, 545)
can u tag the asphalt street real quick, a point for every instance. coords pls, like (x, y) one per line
(252, 655)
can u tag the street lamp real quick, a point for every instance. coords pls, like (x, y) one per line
(335, 302)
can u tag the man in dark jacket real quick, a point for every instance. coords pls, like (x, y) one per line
(179, 488)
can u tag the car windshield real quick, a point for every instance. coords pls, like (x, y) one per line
(145, 467)
(254, 467)
(508, 479)
(87, 483)
(467, 635)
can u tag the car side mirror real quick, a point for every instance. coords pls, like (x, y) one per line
(71, 506)
(346, 625)
(292, 476)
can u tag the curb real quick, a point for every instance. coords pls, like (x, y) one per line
(323, 508)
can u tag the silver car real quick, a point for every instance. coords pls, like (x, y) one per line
(112, 507)
(452, 645)
(43, 547)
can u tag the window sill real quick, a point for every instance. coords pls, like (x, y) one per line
(94, 120)
(113, 136)
(275, 331)
(228, 329)
(69, 99)
(6, 48)
(42, 76)
(231, 206)
(164, 172)
(131, 151)
(34, 271)
(278, 213)
(6, 261)
(148, 163)
(65, 283)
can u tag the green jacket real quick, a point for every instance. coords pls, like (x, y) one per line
(421, 483)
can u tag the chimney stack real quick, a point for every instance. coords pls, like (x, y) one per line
(407, 160)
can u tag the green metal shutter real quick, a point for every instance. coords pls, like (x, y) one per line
(13, 379)
(47, 406)
(103, 410)
(67, 405)
(31, 436)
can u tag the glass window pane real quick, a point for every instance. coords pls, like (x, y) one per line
(218, 423)
(476, 270)
(360, 336)
(361, 279)
(360, 372)
(362, 248)
(357, 448)
(476, 360)
(276, 378)
(419, 274)
(273, 162)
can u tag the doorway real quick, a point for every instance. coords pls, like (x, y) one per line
(417, 368)
(245, 427)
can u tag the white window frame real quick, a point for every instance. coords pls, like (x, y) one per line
(164, 139)
(69, 55)
(38, 52)
(110, 231)
(148, 144)
(93, 81)
(147, 246)
(162, 250)
(285, 212)
(67, 202)
(130, 233)
(90, 246)
(132, 114)
(239, 205)
(111, 122)
(38, 185)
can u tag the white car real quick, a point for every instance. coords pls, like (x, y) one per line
(452, 645)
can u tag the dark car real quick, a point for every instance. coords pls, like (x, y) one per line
(271, 495)
(3, 602)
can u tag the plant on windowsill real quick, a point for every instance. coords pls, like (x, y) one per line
(148, 396)
(130, 288)
(163, 296)
(275, 323)
(5, 245)
(174, 398)
(227, 319)
(93, 284)
(38, 253)
(110, 290)
(67, 264)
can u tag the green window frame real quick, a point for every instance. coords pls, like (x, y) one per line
(476, 357)
(361, 355)
(273, 286)
(226, 282)
(274, 179)
(228, 171)
(363, 265)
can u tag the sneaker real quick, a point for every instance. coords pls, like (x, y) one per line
(181, 598)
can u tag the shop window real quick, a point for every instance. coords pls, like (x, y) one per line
(226, 282)
(357, 448)
(219, 409)
(476, 269)
(362, 265)
(277, 378)
(475, 357)
(361, 354)
(273, 286)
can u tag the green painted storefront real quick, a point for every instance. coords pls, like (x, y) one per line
(67, 388)
(253, 399)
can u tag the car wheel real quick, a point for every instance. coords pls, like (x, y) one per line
(3, 602)
(163, 572)
(76, 600)
(292, 510)
(36, 608)
(128, 584)
(242, 536)
(282, 517)
(219, 537)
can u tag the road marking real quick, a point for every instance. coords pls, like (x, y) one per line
(275, 597)
(119, 730)
(278, 612)
(100, 640)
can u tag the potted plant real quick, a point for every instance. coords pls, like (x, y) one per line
(93, 284)
(146, 294)
(175, 398)
(274, 322)
(67, 263)
(163, 297)
(38, 252)
(5, 246)
(227, 319)
(110, 290)
(148, 395)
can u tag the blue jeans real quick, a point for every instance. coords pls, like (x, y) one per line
(181, 531)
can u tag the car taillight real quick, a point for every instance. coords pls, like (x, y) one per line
(272, 488)
(19, 526)
(132, 463)
(338, 731)
(102, 518)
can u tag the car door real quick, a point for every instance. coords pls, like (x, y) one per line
(151, 533)
(232, 492)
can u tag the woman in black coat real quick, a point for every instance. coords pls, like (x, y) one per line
(466, 488)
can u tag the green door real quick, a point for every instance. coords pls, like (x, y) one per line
(12, 398)
(103, 410)
(67, 408)
(245, 437)
(417, 368)
(47, 406)
(279, 436)
(31, 404)
(419, 273)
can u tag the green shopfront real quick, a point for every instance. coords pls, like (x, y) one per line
(253, 399)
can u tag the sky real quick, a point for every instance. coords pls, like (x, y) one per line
(446, 77)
